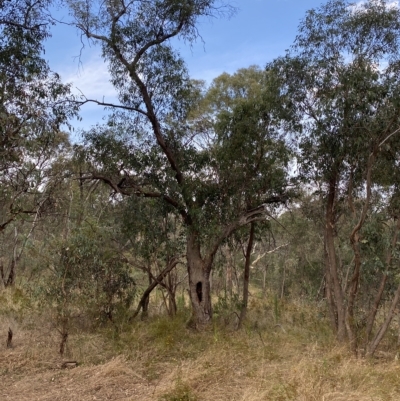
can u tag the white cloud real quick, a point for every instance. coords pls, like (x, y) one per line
(394, 4)
(91, 78)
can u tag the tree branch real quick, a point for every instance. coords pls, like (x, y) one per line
(19, 25)
(131, 69)
(157, 280)
(113, 105)
(157, 41)
(259, 213)
(6, 223)
(136, 190)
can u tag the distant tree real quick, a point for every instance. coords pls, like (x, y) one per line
(342, 77)
(236, 103)
(32, 110)
(31, 106)
(29, 192)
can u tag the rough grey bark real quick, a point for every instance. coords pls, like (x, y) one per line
(199, 284)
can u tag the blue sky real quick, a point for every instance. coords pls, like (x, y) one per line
(260, 31)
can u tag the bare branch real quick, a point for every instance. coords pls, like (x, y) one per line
(389, 136)
(106, 104)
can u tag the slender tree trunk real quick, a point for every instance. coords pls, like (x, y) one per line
(352, 292)
(332, 262)
(146, 299)
(228, 280)
(354, 283)
(11, 275)
(379, 294)
(199, 284)
(383, 329)
(16, 256)
(172, 307)
(170, 299)
(329, 294)
(3, 282)
(154, 281)
(355, 244)
(246, 277)
(13, 263)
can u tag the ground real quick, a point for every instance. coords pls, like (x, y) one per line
(163, 360)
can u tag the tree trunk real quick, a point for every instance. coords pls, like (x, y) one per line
(2, 276)
(332, 262)
(171, 288)
(264, 288)
(199, 284)
(383, 329)
(352, 292)
(355, 244)
(329, 294)
(228, 281)
(379, 294)
(11, 275)
(246, 278)
(144, 300)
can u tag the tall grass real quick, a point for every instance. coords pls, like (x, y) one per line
(285, 351)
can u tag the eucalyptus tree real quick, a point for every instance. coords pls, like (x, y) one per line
(241, 104)
(153, 147)
(77, 256)
(380, 241)
(29, 192)
(342, 77)
(31, 106)
(32, 109)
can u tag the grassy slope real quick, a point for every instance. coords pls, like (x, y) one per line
(163, 360)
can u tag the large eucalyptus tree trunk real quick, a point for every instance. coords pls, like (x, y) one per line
(199, 284)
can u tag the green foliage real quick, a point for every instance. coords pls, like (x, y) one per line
(91, 274)
(341, 81)
(153, 228)
(16, 303)
(30, 94)
(227, 309)
(330, 75)
(33, 106)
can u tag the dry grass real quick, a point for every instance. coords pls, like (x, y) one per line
(162, 360)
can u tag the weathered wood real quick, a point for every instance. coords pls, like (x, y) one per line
(69, 364)
(9, 338)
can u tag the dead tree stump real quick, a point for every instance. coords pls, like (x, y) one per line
(9, 338)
